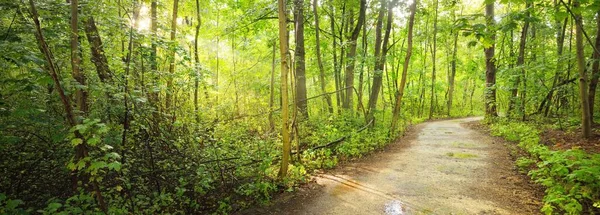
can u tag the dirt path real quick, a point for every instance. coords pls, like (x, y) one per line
(440, 167)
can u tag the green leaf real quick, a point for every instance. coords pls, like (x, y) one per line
(76, 141)
(114, 166)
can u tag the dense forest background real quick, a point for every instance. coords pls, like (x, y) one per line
(197, 106)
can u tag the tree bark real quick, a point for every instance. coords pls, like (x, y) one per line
(351, 57)
(400, 94)
(98, 57)
(452, 75)
(283, 49)
(272, 90)
(433, 59)
(595, 70)
(322, 81)
(520, 62)
(560, 40)
(490, 65)
(197, 62)
(380, 55)
(586, 123)
(169, 94)
(336, 67)
(299, 58)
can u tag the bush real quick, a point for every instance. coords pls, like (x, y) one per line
(571, 177)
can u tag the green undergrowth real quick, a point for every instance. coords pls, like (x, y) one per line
(219, 169)
(571, 177)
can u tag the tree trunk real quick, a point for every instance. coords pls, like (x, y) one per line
(595, 70)
(299, 56)
(560, 40)
(490, 65)
(98, 57)
(351, 57)
(154, 94)
(433, 59)
(197, 62)
(452, 75)
(336, 67)
(520, 62)
(322, 81)
(283, 49)
(586, 122)
(272, 90)
(380, 54)
(169, 94)
(400, 94)
(362, 69)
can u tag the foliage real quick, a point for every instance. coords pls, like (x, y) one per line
(571, 177)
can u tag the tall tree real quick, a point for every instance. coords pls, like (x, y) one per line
(586, 121)
(452, 74)
(283, 52)
(490, 64)
(98, 55)
(400, 93)
(433, 59)
(336, 66)
(322, 81)
(299, 56)
(380, 54)
(351, 56)
(197, 61)
(170, 90)
(520, 61)
(595, 69)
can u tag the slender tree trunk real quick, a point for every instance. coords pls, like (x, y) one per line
(452, 74)
(520, 61)
(272, 90)
(400, 93)
(362, 69)
(560, 40)
(490, 65)
(380, 54)
(595, 70)
(586, 122)
(377, 72)
(283, 49)
(351, 56)
(299, 56)
(197, 62)
(336, 67)
(433, 59)
(98, 57)
(322, 81)
(154, 94)
(170, 90)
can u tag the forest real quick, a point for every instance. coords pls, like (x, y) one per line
(216, 106)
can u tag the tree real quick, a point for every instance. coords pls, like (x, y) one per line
(283, 52)
(299, 56)
(595, 69)
(351, 56)
(380, 55)
(586, 120)
(452, 75)
(400, 93)
(322, 81)
(490, 65)
(170, 90)
(520, 62)
(433, 59)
